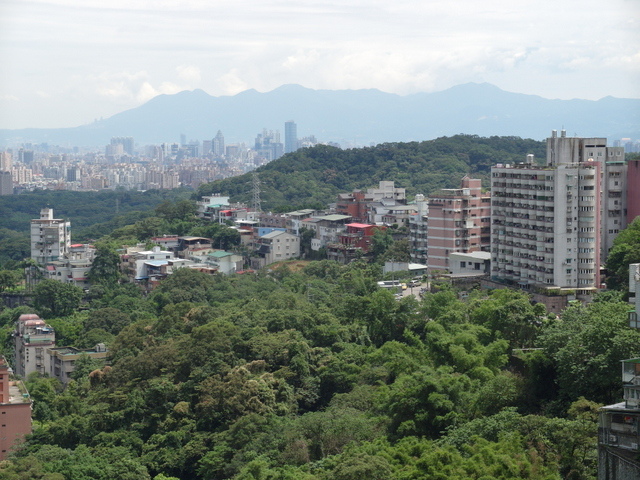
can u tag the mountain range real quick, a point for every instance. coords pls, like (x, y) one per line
(350, 117)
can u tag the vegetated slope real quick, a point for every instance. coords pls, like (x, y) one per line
(315, 175)
(83, 209)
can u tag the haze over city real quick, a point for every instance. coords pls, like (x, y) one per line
(67, 63)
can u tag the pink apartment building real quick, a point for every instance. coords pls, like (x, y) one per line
(459, 221)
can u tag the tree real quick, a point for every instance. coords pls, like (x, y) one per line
(380, 243)
(587, 346)
(109, 319)
(9, 279)
(105, 268)
(84, 366)
(56, 299)
(625, 250)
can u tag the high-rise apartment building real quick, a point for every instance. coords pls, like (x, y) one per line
(459, 221)
(50, 237)
(290, 137)
(552, 224)
(633, 189)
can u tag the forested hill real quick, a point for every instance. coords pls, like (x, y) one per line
(315, 175)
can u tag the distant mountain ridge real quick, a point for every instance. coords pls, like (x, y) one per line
(350, 116)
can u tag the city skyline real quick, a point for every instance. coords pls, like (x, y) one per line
(67, 63)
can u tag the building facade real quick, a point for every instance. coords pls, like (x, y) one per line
(15, 411)
(32, 338)
(459, 221)
(552, 225)
(50, 237)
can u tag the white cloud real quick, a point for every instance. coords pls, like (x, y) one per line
(231, 84)
(115, 55)
(189, 73)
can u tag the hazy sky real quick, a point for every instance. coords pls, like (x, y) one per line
(67, 62)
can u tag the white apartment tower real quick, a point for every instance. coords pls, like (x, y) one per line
(50, 237)
(550, 223)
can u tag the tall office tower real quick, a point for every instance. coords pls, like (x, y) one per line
(550, 224)
(207, 147)
(50, 237)
(6, 161)
(25, 156)
(6, 183)
(459, 221)
(218, 145)
(290, 137)
(73, 174)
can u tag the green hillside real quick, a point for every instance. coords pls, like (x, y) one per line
(313, 176)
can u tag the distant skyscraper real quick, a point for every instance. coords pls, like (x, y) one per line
(25, 156)
(290, 137)
(126, 142)
(6, 161)
(218, 145)
(6, 183)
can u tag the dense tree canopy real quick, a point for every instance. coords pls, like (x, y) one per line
(318, 374)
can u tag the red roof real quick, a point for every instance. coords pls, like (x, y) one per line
(359, 225)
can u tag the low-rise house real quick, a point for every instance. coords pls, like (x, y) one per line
(275, 247)
(474, 263)
(326, 228)
(32, 337)
(210, 205)
(146, 264)
(63, 359)
(355, 241)
(225, 262)
(167, 242)
(73, 267)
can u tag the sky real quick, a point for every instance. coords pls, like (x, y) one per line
(66, 63)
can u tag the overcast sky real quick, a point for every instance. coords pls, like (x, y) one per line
(68, 62)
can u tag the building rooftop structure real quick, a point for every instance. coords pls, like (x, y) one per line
(15, 410)
(618, 435)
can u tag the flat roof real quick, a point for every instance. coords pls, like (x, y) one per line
(473, 255)
(156, 263)
(334, 217)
